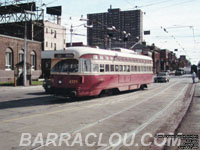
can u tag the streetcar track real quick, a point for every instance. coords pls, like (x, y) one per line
(144, 125)
(74, 131)
(105, 102)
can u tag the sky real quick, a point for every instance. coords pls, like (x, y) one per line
(179, 18)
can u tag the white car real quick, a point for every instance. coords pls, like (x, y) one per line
(162, 77)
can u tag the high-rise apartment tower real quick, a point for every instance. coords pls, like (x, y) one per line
(115, 28)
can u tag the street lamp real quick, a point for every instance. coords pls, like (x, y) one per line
(136, 43)
(110, 35)
(126, 36)
(111, 28)
(71, 30)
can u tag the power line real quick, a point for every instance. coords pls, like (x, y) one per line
(152, 4)
(173, 37)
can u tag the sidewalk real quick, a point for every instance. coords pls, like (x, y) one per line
(6, 88)
(191, 122)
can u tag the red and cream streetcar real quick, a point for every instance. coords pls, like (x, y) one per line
(84, 71)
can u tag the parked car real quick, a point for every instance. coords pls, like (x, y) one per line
(47, 86)
(162, 77)
(179, 72)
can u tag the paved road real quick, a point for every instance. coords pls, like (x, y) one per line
(30, 110)
(191, 122)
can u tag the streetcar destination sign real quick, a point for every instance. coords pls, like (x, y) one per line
(68, 55)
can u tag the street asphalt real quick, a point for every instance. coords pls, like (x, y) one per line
(30, 110)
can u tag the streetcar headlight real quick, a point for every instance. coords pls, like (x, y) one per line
(60, 82)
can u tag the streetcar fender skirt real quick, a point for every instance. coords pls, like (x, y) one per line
(133, 87)
(123, 88)
(94, 92)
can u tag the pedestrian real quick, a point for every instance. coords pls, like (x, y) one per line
(193, 76)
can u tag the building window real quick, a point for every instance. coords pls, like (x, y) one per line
(55, 34)
(46, 30)
(9, 59)
(46, 44)
(51, 45)
(51, 31)
(21, 55)
(54, 46)
(33, 60)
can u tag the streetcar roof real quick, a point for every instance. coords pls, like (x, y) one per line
(80, 51)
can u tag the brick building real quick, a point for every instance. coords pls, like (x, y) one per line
(173, 61)
(183, 62)
(164, 63)
(12, 52)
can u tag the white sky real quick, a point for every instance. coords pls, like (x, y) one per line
(181, 18)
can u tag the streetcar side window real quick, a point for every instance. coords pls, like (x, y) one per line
(116, 68)
(112, 69)
(86, 65)
(101, 67)
(120, 68)
(107, 68)
(142, 68)
(128, 68)
(95, 68)
(125, 68)
(132, 68)
(138, 68)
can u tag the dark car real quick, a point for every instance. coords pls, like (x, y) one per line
(179, 72)
(162, 77)
(47, 86)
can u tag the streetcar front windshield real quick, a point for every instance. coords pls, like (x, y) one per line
(68, 65)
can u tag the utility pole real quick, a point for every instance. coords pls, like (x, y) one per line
(25, 50)
(25, 46)
(110, 43)
(71, 31)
